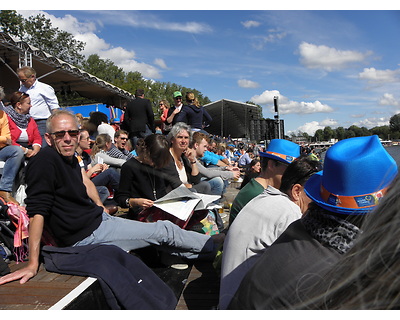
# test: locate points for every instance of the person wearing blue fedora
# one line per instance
(274, 161)
(356, 175)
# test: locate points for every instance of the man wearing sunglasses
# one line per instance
(175, 109)
(59, 194)
(43, 98)
(118, 150)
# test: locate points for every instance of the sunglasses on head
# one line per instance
(61, 134)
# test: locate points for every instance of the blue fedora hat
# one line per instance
(356, 174)
(282, 150)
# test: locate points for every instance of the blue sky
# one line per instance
(335, 68)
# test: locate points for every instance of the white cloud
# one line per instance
(323, 57)
(311, 127)
(287, 106)
(94, 44)
(243, 83)
(161, 63)
(85, 32)
(372, 122)
(152, 21)
(380, 76)
(250, 24)
(388, 99)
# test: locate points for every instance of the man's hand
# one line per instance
(24, 274)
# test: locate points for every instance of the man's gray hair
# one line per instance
(57, 113)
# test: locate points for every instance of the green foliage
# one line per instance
(39, 32)
(12, 23)
(394, 123)
(340, 133)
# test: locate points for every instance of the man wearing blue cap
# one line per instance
(280, 153)
(356, 175)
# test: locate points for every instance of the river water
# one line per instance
(394, 151)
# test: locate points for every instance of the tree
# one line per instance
(394, 123)
(39, 32)
(319, 135)
(328, 133)
(12, 23)
(383, 132)
(103, 69)
(340, 133)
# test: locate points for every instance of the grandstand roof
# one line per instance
(55, 72)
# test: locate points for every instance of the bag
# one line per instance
(20, 194)
(154, 214)
(20, 220)
(4, 269)
(208, 225)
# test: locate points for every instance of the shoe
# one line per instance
(8, 198)
(112, 209)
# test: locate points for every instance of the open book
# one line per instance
(181, 202)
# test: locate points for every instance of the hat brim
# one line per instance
(271, 156)
(313, 191)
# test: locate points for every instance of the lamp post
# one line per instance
(277, 121)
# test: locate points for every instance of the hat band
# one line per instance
(282, 156)
(353, 202)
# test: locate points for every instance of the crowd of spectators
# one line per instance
(293, 226)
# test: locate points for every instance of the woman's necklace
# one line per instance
(152, 182)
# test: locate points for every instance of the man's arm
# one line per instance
(35, 234)
(91, 190)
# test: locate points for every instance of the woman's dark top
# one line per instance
(194, 116)
(139, 180)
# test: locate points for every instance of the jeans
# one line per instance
(217, 185)
(109, 177)
(135, 136)
(103, 193)
(41, 123)
(131, 235)
(13, 157)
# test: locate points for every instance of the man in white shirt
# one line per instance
(43, 98)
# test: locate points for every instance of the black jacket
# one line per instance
(126, 281)
(56, 191)
(138, 114)
(287, 269)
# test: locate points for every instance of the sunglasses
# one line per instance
(22, 96)
(178, 98)
(123, 138)
(61, 134)
(24, 80)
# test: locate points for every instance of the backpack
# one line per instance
(6, 239)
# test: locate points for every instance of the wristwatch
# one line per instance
(127, 202)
